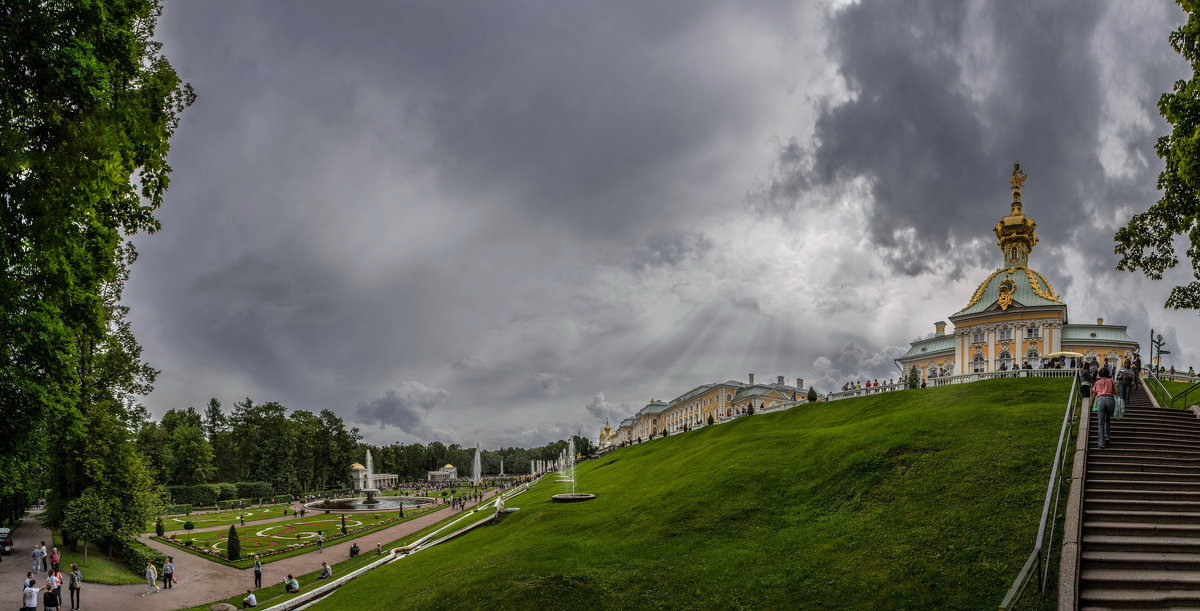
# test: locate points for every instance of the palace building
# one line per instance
(1014, 318)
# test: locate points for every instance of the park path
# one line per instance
(201, 580)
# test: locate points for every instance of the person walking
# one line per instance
(45, 560)
(37, 559)
(168, 571)
(55, 558)
(50, 600)
(75, 582)
(151, 578)
(55, 580)
(30, 594)
(1105, 392)
(1086, 379)
(320, 541)
(257, 571)
(1124, 378)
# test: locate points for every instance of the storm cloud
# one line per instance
(542, 215)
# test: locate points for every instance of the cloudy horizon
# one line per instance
(502, 223)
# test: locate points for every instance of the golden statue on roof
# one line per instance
(1018, 177)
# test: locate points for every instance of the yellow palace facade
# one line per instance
(1014, 319)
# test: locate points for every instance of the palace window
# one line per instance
(977, 337)
(978, 364)
(1032, 358)
(1005, 360)
(1006, 334)
(1032, 332)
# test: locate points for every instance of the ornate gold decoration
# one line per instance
(1034, 277)
(1037, 287)
(1006, 290)
(1018, 177)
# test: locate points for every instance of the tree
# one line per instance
(192, 456)
(87, 106)
(1146, 242)
(812, 394)
(214, 420)
(750, 409)
(159, 529)
(710, 419)
(233, 546)
(914, 377)
(89, 517)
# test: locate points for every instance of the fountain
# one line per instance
(477, 468)
(372, 502)
(568, 469)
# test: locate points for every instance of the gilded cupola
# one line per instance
(1016, 233)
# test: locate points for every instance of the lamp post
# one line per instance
(1156, 342)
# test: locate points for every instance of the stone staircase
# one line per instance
(1140, 547)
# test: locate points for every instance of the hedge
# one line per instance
(254, 490)
(199, 494)
(284, 498)
(172, 510)
(228, 491)
(136, 554)
(230, 504)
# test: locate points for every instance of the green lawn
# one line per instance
(274, 591)
(919, 499)
(294, 536)
(1176, 389)
(99, 568)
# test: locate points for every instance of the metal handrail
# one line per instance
(1151, 374)
(1183, 396)
(962, 378)
(1038, 565)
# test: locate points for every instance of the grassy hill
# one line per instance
(918, 499)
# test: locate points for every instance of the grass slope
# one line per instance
(918, 499)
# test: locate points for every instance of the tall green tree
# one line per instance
(87, 106)
(1146, 242)
(192, 456)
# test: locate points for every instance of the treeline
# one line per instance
(296, 453)
(413, 461)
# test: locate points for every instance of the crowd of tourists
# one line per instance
(1109, 390)
(51, 593)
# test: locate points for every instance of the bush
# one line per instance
(233, 503)
(188, 526)
(135, 555)
(233, 547)
(171, 510)
(199, 494)
(158, 528)
(254, 490)
(284, 498)
(228, 491)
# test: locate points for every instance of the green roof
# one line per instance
(1023, 292)
(1096, 333)
(930, 346)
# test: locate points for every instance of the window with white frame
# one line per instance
(1006, 334)
(1033, 358)
(978, 337)
(978, 364)
(1032, 332)
(1005, 360)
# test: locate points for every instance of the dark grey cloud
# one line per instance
(406, 407)
(943, 98)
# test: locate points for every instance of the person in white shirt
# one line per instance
(249, 601)
(31, 594)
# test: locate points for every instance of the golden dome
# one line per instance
(357, 467)
(448, 466)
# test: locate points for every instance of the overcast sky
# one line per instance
(500, 222)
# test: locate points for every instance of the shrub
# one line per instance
(284, 498)
(812, 394)
(188, 526)
(158, 528)
(233, 546)
(135, 555)
(199, 494)
(254, 490)
(228, 491)
(170, 510)
(233, 503)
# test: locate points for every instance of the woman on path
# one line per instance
(151, 578)
(168, 571)
(1106, 403)
(50, 599)
(1124, 378)
(55, 558)
(257, 572)
(1086, 379)
(75, 583)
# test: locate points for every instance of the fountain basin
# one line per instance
(571, 497)
(381, 503)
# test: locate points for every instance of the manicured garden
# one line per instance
(918, 499)
(99, 568)
(220, 518)
(278, 540)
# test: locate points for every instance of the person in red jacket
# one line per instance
(1105, 393)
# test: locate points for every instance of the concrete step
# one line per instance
(1147, 505)
(1143, 529)
(1183, 476)
(1121, 543)
(1106, 465)
(1143, 458)
(1142, 446)
(1140, 560)
(1131, 484)
(1141, 516)
(1115, 598)
(1093, 492)
(1142, 579)
(1149, 430)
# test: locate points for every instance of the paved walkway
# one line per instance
(201, 580)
